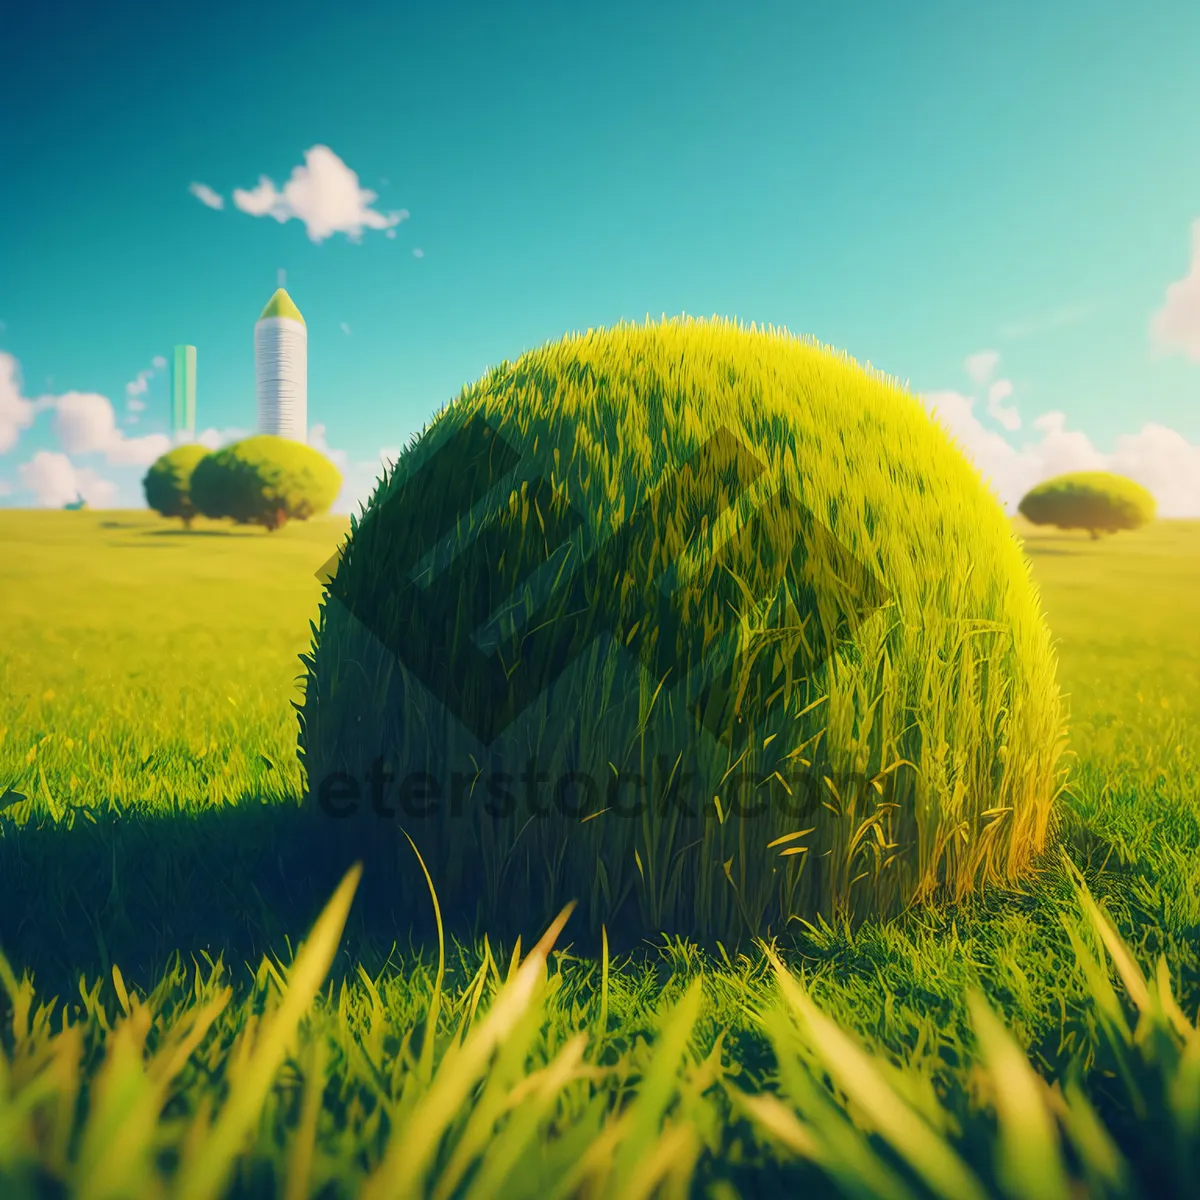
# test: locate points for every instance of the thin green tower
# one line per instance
(183, 391)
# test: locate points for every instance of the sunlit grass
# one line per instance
(890, 716)
(127, 1082)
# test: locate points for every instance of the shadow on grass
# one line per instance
(239, 881)
(190, 533)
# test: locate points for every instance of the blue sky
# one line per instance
(981, 200)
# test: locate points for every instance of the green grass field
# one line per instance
(158, 1036)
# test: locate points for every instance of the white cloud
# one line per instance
(345, 328)
(316, 439)
(55, 480)
(135, 389)
(17, 412)
(86, 424)
(390, 235)
(981, 365)
(1164, 463)
(1176, 326)
(324, 194)
(418, 253)
(213, 439)
(1160, 459)
(5, 488)
(137, 451)
(206, 195)
(1009, 417)
(84, 421)
(359, 477)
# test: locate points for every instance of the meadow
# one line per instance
(197, 999)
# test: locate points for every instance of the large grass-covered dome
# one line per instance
(877, 720)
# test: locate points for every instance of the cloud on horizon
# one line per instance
(55, 480)
(1175, 327)
(1158, 458)
(210, 439)
(17, 411)
(86, 424)
(358, 477)
(1009, 417)
(324, 194)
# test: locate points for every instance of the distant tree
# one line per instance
(168, 482)
(1093, 500)
(265, 480)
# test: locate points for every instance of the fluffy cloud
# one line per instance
(981, 365)
(206, 195)
(1176, 326)
(324, 194)
(1009, 417)
(54, 481)
(418, 253)
(84, 421)
(86, 424)
(346, 328)
(317, 440)
(1160, 459)
(17, 412)
(212, 439)
(359, 477)
(1165, 463)
(135, 389)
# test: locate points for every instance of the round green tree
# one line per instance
(265, 480)
(168, 482)
(1097, 501)
(704, 627)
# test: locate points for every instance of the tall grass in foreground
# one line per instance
(479, 1121)
(877, 1133)
(175, 1098)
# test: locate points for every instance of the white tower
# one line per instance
(281, 366)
